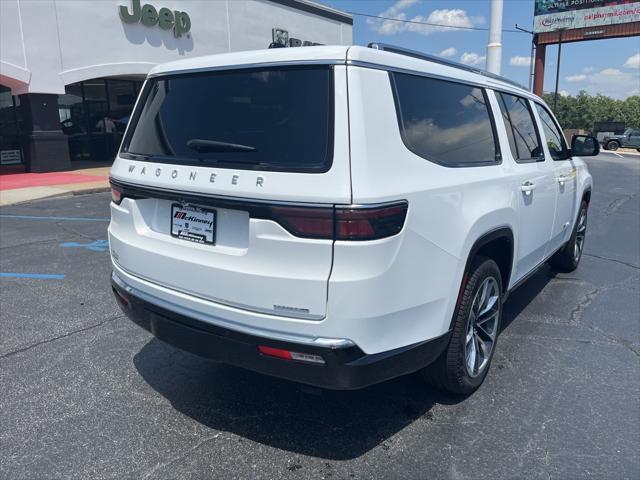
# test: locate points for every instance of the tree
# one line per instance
(583, 110)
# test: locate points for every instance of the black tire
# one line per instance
(568, 257)
(638, 149)
(612, 145)
(450, 372)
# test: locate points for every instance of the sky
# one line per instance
(610, 67)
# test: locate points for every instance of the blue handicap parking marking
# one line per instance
(97, 246)
(38, 276)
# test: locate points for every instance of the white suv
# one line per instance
(339, 216)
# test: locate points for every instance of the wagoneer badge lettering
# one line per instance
(233, 180)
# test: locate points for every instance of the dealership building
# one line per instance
(70, 70)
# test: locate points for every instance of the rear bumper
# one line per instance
(346, 367)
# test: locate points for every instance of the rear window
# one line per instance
(445, 122)
(262, 119)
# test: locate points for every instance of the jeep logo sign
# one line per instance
(149, 16)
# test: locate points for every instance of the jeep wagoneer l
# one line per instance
(339, 216)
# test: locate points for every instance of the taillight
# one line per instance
(342, 223)
(116, 195)
(370, 223)
(307, 222)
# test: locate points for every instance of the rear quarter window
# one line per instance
(445, 122)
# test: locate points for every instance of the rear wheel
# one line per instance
(463, 366)
(568, 257)
(612, 145)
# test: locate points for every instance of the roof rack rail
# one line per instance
(432, 58)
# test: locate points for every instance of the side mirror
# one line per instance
(584, 146)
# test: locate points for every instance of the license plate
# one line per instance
(193, 223)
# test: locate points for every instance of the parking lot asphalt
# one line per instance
(86, 394)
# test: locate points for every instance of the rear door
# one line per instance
(533, 182)
(564, 176)
(229, 180)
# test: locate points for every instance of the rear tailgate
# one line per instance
(267, 139)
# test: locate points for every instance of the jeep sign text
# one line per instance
(149, 16)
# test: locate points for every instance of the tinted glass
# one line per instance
(8, 124)
(555, 138)
(445, 122)
(518, 120)
(122, 97)
(268, 119)
(10, 138)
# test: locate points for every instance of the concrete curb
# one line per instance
(82, 191)
(91, 190)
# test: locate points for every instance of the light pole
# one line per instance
(494, 48)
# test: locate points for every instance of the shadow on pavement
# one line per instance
(334, 425)
(524, 295)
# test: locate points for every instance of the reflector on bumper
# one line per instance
(288, 355)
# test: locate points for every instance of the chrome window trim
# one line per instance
(223, 198)
(251, 200)
(488, 85)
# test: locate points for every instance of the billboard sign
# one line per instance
(552, 15)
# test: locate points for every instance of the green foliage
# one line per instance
(583, 110)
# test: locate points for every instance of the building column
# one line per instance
(45, 147)
(538, 70)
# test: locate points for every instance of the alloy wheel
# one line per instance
(482, 326)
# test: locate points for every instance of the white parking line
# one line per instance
(617, 154)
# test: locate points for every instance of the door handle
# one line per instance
(562, 179)
(528, 187)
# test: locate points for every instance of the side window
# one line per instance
(555, 138)
(524, 140)
(445, 122)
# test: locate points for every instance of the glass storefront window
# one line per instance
(122, 97)
(10, 149)
(100, 125)
(94, 115)
(73, 121)
(8, 126)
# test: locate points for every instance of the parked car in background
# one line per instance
(629, 139)
(340, 216)
(607, 127)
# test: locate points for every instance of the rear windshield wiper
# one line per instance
(204, 146)
(135, 156)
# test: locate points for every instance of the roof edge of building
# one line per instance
(317, 9)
